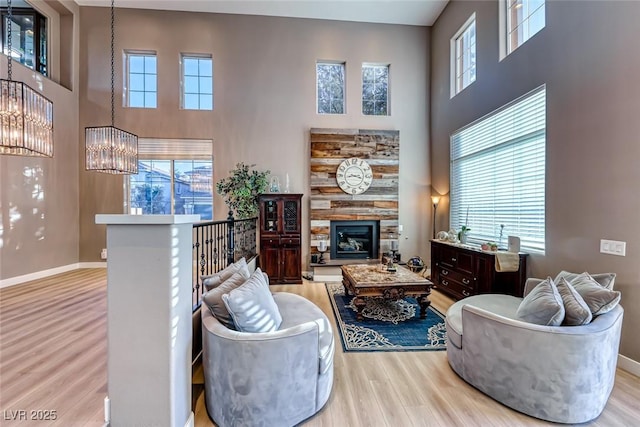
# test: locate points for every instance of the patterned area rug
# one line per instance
(388, 325)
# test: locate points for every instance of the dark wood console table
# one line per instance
(460, 271)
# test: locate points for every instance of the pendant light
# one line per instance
(107, 148)
(26, 117)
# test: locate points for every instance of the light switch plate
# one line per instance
(613, 247)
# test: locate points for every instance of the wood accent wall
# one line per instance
(381, 149)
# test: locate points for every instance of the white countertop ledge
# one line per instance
(124, 219)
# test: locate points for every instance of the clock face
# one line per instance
(354, 176)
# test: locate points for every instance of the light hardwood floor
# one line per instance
(53, 357)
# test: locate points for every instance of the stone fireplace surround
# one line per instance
(329, 147)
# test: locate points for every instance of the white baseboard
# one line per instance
(50, 272)
(629, 365)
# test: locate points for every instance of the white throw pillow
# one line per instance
(225, 274)
(252, 306)
(543, 305)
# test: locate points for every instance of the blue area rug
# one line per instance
(388, 325)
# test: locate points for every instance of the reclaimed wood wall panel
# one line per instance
(381, 149)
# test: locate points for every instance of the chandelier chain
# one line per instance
(9, 25)
(112, 64)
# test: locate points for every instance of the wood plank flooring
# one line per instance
(53, 357)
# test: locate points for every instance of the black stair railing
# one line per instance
(216, 244)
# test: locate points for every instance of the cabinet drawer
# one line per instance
(455, 287)
(270, 240)
(291, 241)
(462, 278)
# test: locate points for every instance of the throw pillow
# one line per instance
(543, 305)
(252, 306)
(576, 310)
(213, 298)
(605, 279)
(216, 279)
(599, 299)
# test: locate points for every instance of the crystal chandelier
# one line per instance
(26, 117)
(109, 149)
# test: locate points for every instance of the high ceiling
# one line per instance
(407, 12)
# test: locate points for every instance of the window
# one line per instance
(498, 174)
(141, 80)
(463, 56)
(331, 87)
(375, 90)
(520, 20)
(174, 177)
(28, 38)
(197, 82)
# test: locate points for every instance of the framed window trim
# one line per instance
(504, 22)
(344, 85)
(453, 49)
(388, 92)
(506, 149)
(173, 150)
(126, 89)
(183, 93)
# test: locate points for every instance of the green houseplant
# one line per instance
(241, 189)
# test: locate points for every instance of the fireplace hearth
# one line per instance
(355, 239)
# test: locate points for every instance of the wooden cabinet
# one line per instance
(462, 271)
(280, 232)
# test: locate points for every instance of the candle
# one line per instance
(107, 410)
(394, 245)
(400, 228)
(322, 245)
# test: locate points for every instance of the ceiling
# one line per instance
(407, 12)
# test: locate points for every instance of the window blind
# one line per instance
(498, 174)
(174, 149)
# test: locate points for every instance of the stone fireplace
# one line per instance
(354, 239)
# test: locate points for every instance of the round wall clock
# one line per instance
(354, 176)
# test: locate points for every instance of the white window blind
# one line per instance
(498, 174)
(174, 149)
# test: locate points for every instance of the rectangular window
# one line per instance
(463, 56)
(28, 37)
(141, 77)
(520, 19)
(375, 90)
(174, 177)
(197, 82)
(330, 84)
(498, 174)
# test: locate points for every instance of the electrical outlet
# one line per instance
(613, 247)
(103, 254)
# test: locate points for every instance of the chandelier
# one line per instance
(26, 117)
(107, 148)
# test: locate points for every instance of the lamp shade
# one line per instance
(26, 121)
(111, 150)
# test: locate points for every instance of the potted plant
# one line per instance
(241, 189)
(462, 234)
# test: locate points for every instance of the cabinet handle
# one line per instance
(465, 281)
(445, 272)
(453, 259)
(270, 241)
(465, 293)
(444, 282)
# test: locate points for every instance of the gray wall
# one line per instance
(588, 58)
(264, 100)
(39, 196)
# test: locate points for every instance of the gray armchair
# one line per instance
(562, 374)
(269, 379)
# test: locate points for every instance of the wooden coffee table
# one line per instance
(370, 280)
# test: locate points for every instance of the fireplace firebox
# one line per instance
(355, 239)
